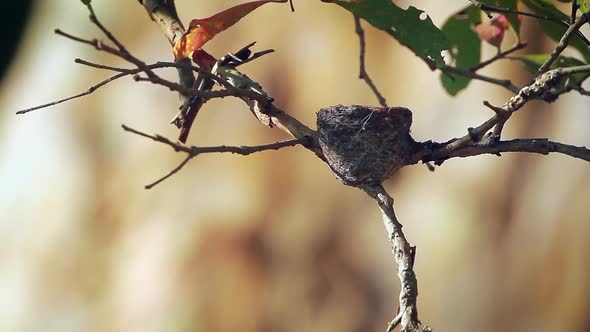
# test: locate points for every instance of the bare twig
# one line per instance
(75, 38)
(121, 50)
(194, 151)
(102, 28)
(468, 73)
(100, 66)
(362, 71)
(536, 89)
(501, 55)
(532, 145)
(122, 72)
(404, 256)
(171, 173)
(494, 9)
(99, 45)
(82, 94)
(563, 43)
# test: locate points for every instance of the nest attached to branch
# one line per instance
(364, 144)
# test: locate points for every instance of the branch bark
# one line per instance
(533, 145)
(164, 13)
(403, 254)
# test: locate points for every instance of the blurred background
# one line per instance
(272, 241)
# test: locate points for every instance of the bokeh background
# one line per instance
(272, 241)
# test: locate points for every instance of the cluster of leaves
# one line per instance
(461, 35)
(464, 32)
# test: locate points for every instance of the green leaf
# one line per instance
(584, 5)
(532, 62)
(553, 29)
(465, 48)
(419, 35)
(507, 4)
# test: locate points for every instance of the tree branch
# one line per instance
(81, 94)
(122, 72)
(537, 89)
(468, 73)
(404, 255)
(193, 151)
(563, 43)
(498, 56)
(532, 145)
(362, 71)
(163, 13)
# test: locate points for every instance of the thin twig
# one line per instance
(493, 9)
(82, 94)
(462, 72)
(498, 56)
(565, 71)
(536, 89)
(563, 43)
(468, 73)
(171, 173)
(498, 110)
(75, 38)
(122, 50)
(94, 19)
(531, 145)
(362, 70)
(100, 66)
(122, 72)
(194, 151)
(158, 65)
(541, 84)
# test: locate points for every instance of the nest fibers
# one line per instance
(363, 144)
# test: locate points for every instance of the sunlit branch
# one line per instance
(193, 151)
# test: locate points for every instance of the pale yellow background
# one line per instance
(273, 242)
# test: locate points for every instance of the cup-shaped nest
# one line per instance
(363, 144)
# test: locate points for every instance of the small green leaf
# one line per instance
(411, 27)
(553, 29)
(465, 48)
(584, 5)
(507, 4)
(86, 2)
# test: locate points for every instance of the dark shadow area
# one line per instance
(12, 28)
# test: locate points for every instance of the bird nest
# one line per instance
(363, 144)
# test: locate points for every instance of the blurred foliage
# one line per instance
(465, 48)
(507, 4)
(554, 30)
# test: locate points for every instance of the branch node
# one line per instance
(501, 112)
(473, 134)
